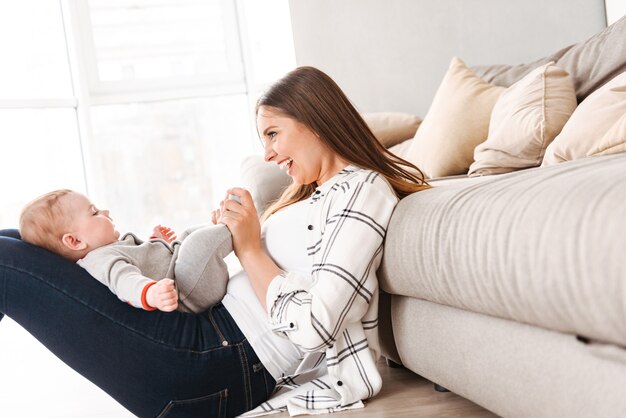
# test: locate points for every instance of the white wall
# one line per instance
(391, 55)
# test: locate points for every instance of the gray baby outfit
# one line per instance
(195, 262)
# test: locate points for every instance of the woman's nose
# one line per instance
(269, 154)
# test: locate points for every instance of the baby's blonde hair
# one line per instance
(44, 221)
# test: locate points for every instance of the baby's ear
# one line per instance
(72, 242)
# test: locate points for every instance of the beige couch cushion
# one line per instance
(391, 128)
(589, 123)
(524, 120)
(457, 121)
(542, 246)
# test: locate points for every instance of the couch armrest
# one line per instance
(265, 181)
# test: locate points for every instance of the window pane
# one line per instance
(34, 56)
(167, 162)
(40, 152)
(270, 37)
(147, 39)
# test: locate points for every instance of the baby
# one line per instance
(189, 275)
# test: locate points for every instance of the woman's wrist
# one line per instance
(261, 271)
(250, 255)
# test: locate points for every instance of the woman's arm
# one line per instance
(243, 221)
(312, 311)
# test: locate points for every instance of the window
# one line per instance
(45, 154)
(132, 45)
(168, 162)
(39, 134)
(146, 105)
(34, 53)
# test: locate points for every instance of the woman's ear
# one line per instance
(72, 242)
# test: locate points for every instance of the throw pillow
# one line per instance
(613, 142)
(591, 120)
(391, 128)
(402, 148)
(457, 121)
(590, 63)
(524, 120)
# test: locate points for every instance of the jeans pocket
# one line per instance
(213, 405)
(268, 380)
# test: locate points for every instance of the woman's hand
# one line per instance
(242, 220)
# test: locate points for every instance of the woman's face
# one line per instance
(295, 148)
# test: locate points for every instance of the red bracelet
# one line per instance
(144, 294)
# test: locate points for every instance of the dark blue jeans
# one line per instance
(155, 364)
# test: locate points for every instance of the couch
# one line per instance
(511, 291)
(508, 287)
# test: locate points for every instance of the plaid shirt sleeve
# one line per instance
(347, 247)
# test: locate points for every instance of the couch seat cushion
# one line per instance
(543, 246)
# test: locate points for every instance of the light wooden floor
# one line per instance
(405, 394)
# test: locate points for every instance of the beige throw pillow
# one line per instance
(402, 148)
(391, 128)
(585, 131)
(613, 142)
(457, 121)
(524, 120)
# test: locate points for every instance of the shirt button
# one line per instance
(310, 227)
(291, 325)
(317, 192)
(339, 383)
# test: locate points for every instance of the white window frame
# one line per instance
(158, 89)
(83, 69)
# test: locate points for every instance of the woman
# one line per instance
(312, 271)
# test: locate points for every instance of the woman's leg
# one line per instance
(153, 363)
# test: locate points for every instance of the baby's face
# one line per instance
(91, 225)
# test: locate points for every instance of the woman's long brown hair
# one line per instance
(312, 98)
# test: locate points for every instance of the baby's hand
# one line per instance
(163, 232)
(163, 295)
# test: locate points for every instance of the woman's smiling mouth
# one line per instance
(285, 164)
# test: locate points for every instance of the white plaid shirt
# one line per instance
(332, 315)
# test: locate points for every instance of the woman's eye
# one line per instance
(271, 135)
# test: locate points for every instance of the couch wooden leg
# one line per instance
(392, 364)
(440, 388)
